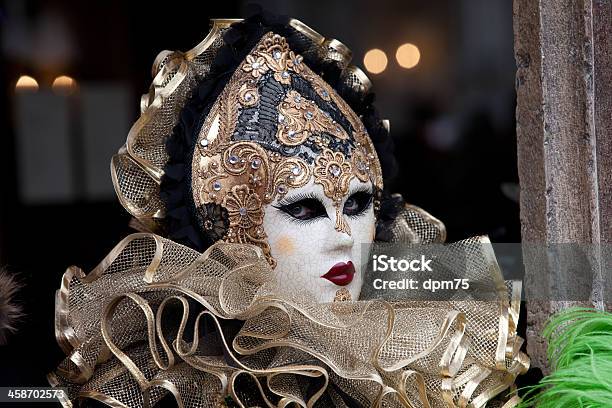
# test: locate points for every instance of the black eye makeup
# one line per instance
(358, 203)
(303, 208)
(308, 207)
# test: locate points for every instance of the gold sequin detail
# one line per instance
(343, 295)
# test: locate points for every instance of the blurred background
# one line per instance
(72, 73)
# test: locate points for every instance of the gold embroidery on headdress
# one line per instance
(300, 118)
(243, 176)
(248, 95)
(334, 174)
(255, 65)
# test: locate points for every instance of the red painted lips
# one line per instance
(341, 273)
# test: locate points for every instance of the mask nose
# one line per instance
(342, 225)
(341, 241)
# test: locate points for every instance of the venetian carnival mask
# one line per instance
(281, 161)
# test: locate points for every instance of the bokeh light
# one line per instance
(26, 83)
(375, 61)
(64, 84)
(407, 55)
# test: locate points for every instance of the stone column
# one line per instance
(564, 132)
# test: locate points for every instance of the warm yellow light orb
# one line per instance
(26, 83)
(375, 61)
(408, 55)
(63, 83)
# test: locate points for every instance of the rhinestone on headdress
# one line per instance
(335, 170)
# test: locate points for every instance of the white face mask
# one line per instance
(306, 245)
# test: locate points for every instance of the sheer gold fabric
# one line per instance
(154, 319)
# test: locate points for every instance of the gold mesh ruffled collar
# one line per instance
(128, 329)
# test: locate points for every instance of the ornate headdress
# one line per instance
(239, 120)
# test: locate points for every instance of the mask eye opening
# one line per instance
(358, 203)
(303, 208)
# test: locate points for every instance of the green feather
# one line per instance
(580, 356)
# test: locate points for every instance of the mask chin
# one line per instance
(312, 254)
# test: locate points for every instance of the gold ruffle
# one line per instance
(155, 319)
